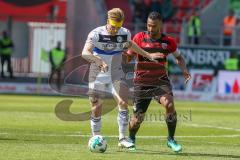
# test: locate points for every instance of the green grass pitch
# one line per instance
(29, 130)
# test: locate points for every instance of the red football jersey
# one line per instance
(146, 71)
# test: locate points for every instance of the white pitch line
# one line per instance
(206, 142)
(211, 126)
(200, 126)
(116, 136)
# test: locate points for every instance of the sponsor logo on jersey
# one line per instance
(109, 46)
(106, 38)
(164, 45)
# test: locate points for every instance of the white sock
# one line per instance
(122, 122)
(96, 125)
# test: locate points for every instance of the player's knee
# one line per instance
(123, 104)
(94, 101)
(138, 118)
(169, 105)
(96, 106)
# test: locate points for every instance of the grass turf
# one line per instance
(30, 130)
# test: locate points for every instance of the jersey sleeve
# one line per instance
(172, 46)
(176, 53)
(128, 35)
(136, 39)
(92, 37)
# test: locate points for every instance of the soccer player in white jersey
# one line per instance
(103, 49)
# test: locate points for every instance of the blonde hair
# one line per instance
(116, 14)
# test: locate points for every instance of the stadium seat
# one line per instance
(169, 28)
(196, 2)
(206, 2)
(177, 38)
(184, 4)
(180, 15)
(173, 28)
(175, 3)
(124, 4)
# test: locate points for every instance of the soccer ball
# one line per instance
(97, 144)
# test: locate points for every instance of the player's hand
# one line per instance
(103, 66)
(129, 58)
(187, 76)
(157, 55)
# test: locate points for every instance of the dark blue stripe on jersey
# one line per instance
(115, 39)
(99, 51)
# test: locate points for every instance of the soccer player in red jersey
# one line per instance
(151, 78)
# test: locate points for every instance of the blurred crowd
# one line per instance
(167, 9)
(141, 8)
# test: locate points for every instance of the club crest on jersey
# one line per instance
(119, 39)
(164, 45)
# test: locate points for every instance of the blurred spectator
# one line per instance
(6, 50)
(232, 63)
(229, 24)
(194, 28)
(235, 5)
(139, 14)
(57, 57)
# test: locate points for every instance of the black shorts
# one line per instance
(144, 94)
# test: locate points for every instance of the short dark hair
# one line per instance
(155, 16)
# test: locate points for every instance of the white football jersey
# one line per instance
(110, 49)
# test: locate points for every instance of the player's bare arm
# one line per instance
(134, 47)
(88, 55)
(181, 63)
